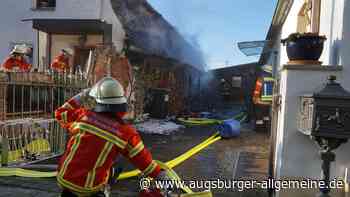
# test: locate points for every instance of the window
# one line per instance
(309, 16)
(268, 88)
(237, 81)
(44, 4)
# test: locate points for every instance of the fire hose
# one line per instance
(168, 166)
(206, 121)
(5, 172)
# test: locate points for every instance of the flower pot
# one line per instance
(304, 47)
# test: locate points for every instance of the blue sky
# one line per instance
(217, 26)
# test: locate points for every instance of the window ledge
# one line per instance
(313, 67)
(44, 9)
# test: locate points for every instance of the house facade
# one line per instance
(234, 84)
(293, 154)
(91, 26)
(49, 27)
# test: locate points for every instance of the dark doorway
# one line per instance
(157, 103)
(81, 56)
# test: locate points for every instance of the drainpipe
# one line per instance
(101, 9)
(274, 122)
(274, 64)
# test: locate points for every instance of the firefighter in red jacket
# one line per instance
(98, 135)
(61, 62)
(17, 61)
(257, 90)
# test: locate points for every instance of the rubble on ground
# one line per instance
(155, 126)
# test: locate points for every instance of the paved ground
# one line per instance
(216, 162)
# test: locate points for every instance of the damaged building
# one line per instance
(236, 85)
(166, 69)
(161, 71)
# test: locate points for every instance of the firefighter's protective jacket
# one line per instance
(94, 144)
(12, 64)
(257, 90)
(60, 63)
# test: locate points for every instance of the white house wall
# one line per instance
(70, 9)
(15, 30)
(118, 33)
(331, 25)
(290, 26)
(297, 155)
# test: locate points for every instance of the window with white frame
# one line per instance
(44, 4)
(237, 81)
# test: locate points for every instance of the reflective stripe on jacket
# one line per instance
(95, 143)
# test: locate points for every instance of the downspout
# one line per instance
(37, 48)
(281, 13)
(101, 9)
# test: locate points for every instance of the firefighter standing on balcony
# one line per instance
(61, 62)
(17, 61)
(98, 135)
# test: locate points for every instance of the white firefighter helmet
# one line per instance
(109, 96)
(20, 49)
(68, 51)
(108, 91)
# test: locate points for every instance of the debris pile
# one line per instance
(162, 127)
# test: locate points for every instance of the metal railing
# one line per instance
(35, 95)
(28, 131)
(29, 140)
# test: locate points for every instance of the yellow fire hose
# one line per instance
(207, 121)
(25, 173)
(172, 174)
(178, 160)
(199, 121)
(4, 172)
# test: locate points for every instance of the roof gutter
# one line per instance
(281, 13)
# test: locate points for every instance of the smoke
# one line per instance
(187, 24)
(194, 40)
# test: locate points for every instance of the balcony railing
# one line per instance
(35, 95)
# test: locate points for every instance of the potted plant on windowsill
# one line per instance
(304, 47)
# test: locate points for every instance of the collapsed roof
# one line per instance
(149, 31)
